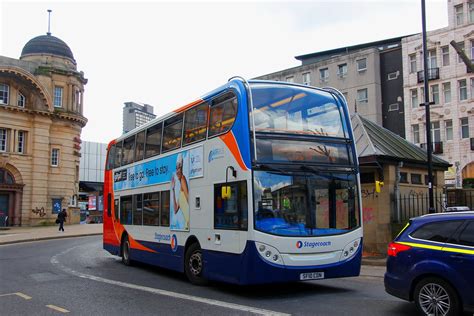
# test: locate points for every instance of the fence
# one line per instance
(416, 204)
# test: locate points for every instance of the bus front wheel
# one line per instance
(194, 265)
(126, 251)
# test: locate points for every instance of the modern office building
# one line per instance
(369, 75)
(41, 119)
(135, 114)
(451, 91)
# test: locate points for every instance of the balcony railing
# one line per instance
(433, 74)
(437, 147)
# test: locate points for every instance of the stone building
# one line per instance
(41, 118)
(451, 90)
(369, 75)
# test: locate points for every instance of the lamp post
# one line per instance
(426, 104)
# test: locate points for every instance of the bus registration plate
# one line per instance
(311, 276)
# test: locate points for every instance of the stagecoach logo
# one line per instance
(120, 175)
(216, 154)
(174, 243)
(312, 244)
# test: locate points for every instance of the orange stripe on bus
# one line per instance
(231, 143)
(184, 108)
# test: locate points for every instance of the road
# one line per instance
(76, 275)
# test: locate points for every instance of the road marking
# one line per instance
(26, 297)
(242, 308)
(57, 308)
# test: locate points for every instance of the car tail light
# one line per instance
(395, 248)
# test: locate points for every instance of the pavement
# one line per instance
(372, 266)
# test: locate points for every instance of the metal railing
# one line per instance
(433, 74)
(437, 147)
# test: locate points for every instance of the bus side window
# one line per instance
(231, 213)
(128, 150)
(116, 209)
(140, 146)
(172, 133)
(165, 208)
(195, 123)
(111, 158)
(118, 155)
(153, 141)
(223, 113)
(126, 210)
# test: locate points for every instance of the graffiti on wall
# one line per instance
(367, 193)
(39, 211)
(368, 215)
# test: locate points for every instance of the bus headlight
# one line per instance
(269, 253)
(350, 249)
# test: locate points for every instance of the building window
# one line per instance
(4, 93)
(432, 60)
(461, 46)
(472, 88)
(3, 140)
(435, 93)
(414, 98)
(307, 78)
(472, 50)
(413, 63)
(459, 14)
(435, 132)
(464, 127)
(471, 12)
(362, 64)
(448, 127)
(445, 55)
(462, 90)
(416, 178)
(362, 96)
(58, 97)
(21, 142)
(55, 157)
(342, 70)
(416, 133)
(21, 100)
(447, 92)
(324, 74)
(403, 177)
(290, 79)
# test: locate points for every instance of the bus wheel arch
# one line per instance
(193, 262)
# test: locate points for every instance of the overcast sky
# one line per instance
(168, 54)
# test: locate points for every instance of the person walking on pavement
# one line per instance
(62, 218)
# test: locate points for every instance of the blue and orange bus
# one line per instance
(255, 182)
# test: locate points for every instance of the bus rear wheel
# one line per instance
(194, 265)
(126, 251)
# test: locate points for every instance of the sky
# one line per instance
(168, 54)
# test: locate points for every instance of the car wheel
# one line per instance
(194, 265)
(126, 252)
(434, 296)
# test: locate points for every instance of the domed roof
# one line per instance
(47, 44)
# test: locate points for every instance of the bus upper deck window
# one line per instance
(172, 133)
(195, 123)
(223, 113)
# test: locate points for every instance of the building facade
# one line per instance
(451, 90)
(41, 118)
(135, 115)
(369, 75)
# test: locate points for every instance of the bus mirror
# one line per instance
(226, 193)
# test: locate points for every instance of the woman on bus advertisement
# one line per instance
(179, 208)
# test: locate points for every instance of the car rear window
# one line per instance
(437, 231)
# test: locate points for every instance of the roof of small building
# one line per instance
(374, 140)
(47, 44)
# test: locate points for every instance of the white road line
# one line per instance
(26, 297)
(203, 300)
(57, 308)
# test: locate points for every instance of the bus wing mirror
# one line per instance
(226, 192)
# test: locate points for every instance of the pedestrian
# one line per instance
(62, 218)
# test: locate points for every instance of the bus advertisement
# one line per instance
(255, 182)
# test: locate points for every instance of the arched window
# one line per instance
(4, 90)
(6, 177)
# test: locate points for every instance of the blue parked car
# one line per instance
(431, 262)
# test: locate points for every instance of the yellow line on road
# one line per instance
(26, 297)
(57, 308)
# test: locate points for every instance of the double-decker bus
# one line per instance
(255, 182)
